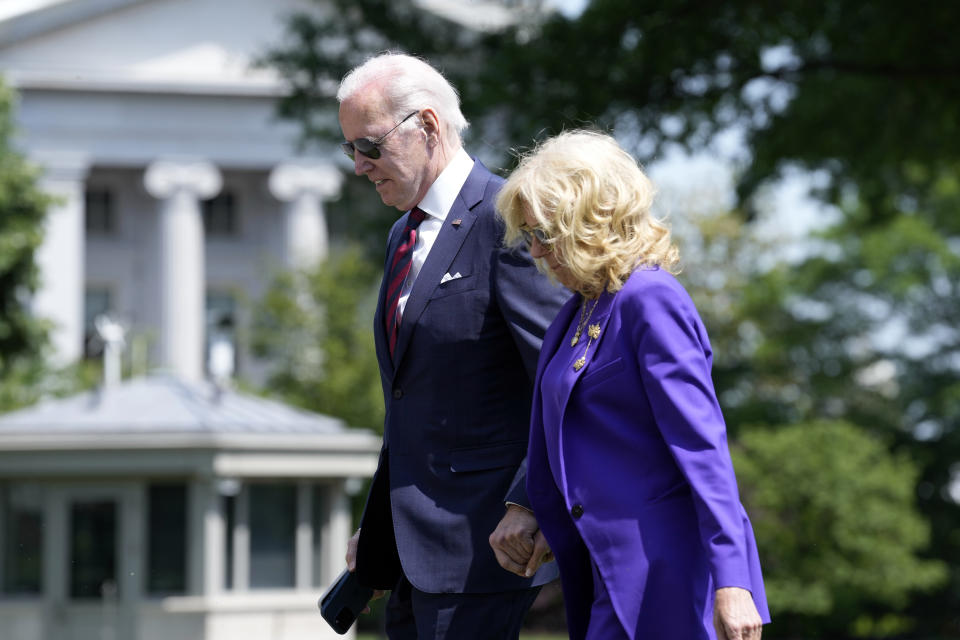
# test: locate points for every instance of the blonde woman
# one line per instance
(629, 475)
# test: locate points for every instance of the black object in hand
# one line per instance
(344, 601)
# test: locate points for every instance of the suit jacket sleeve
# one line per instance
(529, 302)
(674, 361)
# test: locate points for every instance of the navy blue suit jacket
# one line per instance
(457, 395)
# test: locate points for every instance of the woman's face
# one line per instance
(549, 255)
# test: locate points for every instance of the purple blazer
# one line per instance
(628, 465)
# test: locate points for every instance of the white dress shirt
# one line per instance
(436, 204)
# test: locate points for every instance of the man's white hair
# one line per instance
(408, 84)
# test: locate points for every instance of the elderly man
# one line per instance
(458, 329)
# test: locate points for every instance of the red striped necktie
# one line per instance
(399, 269)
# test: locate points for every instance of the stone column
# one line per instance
(207, 537)
(303, 187)
(303, 556)
(60, 258)
(180, 186)
(338, 526)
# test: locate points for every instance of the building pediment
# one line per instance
(193, 45)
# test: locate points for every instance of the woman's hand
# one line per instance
(518, 542)
(735, 616)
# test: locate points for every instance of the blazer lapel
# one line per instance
(379, 327)
(444, 250)
(570, 376)
(598, 320)
(554, 336)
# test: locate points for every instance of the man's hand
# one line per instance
(518, 542)
(352, 565)
(735, 615)
(352, 552)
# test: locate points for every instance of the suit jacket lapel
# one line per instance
(444, 250)
(379, 328)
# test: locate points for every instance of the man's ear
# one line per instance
(431, 125)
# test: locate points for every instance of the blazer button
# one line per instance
(398, 393)
(576, 511)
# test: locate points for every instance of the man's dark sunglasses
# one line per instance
(370, 148)
(536, 232)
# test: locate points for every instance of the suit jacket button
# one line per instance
(398, 393)
(576, 511)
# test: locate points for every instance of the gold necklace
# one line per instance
(593, 332)
(583, 320)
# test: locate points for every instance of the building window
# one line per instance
(96, 301)
(230, 521)
(262, 521)
(220, 215)
(21, 533)
(93, 549)
(167, 539)
(99, 215)
(273, 522)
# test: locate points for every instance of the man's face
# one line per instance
(400, 173)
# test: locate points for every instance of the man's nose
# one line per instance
(361, 164)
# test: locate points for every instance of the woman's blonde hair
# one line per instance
(593, 201)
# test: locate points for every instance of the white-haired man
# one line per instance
(458, 329)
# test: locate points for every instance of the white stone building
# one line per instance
(159, 509)
(165, 507)
(179, 189)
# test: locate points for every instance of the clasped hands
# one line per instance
(518, 542)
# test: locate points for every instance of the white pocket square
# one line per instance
(447, 277)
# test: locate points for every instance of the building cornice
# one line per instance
(50, 15)
(260, 87)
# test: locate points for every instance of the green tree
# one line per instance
(315, 328)
(837, 527)
(23, 337)
(863, 91)
(867, 95)
(866, 330)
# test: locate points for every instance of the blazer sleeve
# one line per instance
(674, 361)
(529, 302)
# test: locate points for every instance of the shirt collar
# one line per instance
(445, 189)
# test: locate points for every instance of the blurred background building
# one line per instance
(178, 188)
(166, 510)
(167, 506)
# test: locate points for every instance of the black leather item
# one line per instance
(344, 601)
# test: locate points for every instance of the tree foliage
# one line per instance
(837, 527)
(23, 338)
(864, 91)
(314, 327)
(863, 328)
